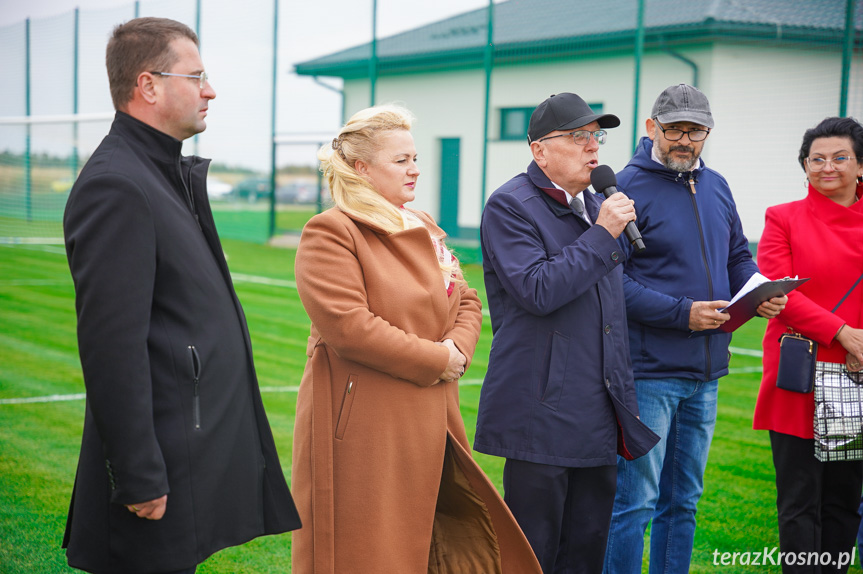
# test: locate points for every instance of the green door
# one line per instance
(449, 170)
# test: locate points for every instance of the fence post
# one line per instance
(639, 53)
(373, 61)
(272, 226)
(195, 138)
(847, 52)
(489, 64)
(28, 164)
(77, 39)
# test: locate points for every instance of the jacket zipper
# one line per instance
(691, 183)
(187, 187)
(196, 373)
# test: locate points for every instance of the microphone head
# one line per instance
(602, 177)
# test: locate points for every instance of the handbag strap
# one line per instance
(795, 333)
(848, 293)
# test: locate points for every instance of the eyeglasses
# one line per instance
(581, 137)
(202, 77)
(674, 134)
(839, 163)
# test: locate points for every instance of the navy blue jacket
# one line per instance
(695, 251)
(559, 378)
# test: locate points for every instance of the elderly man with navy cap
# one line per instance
(558, 401)
(697, 258)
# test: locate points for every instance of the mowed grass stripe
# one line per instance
(39, 442)
(83, 396)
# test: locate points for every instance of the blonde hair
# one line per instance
(360, 140)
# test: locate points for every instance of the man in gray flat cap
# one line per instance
(696, 258)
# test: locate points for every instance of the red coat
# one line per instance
(817, 238)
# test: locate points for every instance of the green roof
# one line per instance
(526, 30)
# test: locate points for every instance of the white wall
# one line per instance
(762, 99)
(607, 81)
(447, 105)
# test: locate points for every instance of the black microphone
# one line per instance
(603, 180)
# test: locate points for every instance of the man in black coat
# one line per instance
(177, 458)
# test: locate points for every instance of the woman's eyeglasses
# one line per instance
(839, 163)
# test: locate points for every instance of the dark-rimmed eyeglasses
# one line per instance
(675, 134)
(839, 163)
(581, 137)
(202, 77)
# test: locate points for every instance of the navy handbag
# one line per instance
(796, 363)
(797, 358)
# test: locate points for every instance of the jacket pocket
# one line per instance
(347, 404)
(196, 376)
(556, 369)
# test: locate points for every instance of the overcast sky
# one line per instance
(236, 42)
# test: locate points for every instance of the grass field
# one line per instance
(40, 213)
(39, 441)
(235, 220)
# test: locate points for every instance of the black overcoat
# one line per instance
(173, 404)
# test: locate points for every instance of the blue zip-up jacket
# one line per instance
(695, 251)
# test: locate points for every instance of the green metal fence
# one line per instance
(471, 71)
(55, 108)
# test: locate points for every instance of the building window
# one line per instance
(514, 121)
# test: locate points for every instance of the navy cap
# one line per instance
(565, 111)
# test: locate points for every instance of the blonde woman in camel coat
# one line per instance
(382, 471)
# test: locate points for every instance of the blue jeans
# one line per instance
(860, 532)
(665, 484)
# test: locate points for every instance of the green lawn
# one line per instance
(235, 220)
(39, 441)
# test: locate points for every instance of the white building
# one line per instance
(771, 68)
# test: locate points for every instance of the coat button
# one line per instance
(607, 382)
(607, 329)
(615, 255)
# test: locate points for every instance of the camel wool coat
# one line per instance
(382, 472)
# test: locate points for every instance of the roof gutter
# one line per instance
(685, 60)
(619, 42)
(341, 93)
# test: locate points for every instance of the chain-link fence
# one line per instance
(55, 108)
(471, 73)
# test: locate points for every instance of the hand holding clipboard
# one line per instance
(758, 289)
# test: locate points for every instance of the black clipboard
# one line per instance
(747, 306)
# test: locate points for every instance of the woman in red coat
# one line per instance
(820, 237)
